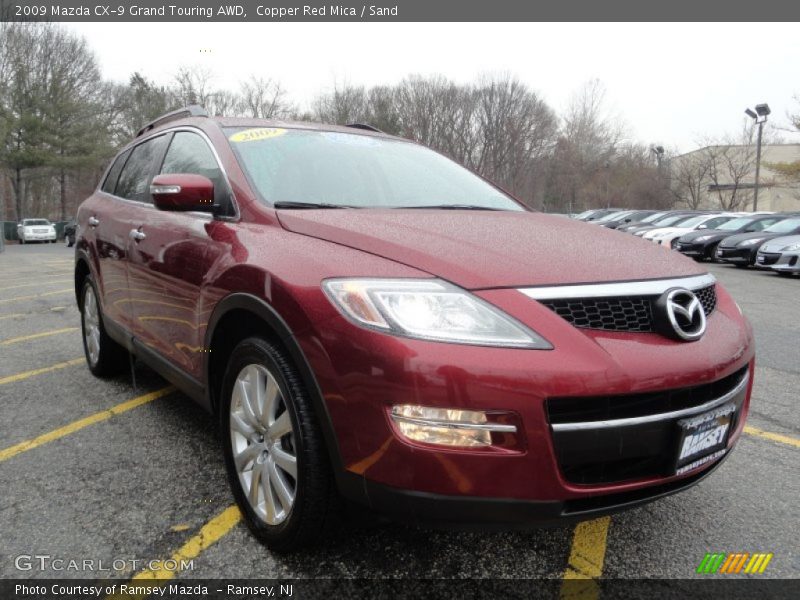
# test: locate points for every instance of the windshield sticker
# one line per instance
(350, 139)
(255, 135)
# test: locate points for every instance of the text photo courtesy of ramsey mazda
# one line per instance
(361, 327)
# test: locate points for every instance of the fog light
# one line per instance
(447, 426)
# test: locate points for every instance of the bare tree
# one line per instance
(262, 98)
(690, 179)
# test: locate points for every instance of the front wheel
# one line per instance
(274, 453)
(104, 356)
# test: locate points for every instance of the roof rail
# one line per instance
(364, 126)
(193, 110)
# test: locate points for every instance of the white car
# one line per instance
(36, 230)
(665, 236)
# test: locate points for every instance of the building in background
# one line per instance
(723, 177)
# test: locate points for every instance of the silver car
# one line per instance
(782, 255)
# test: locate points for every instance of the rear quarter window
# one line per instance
(113, 173)
(134, 180)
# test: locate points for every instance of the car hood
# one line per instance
(753, 235)
(778, 244)
(489, 249)
(715, 233)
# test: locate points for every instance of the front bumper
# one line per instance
(362, 374)
(736, 256)
(692, 249)
(39, 237)
(786, 262)
(509, 514)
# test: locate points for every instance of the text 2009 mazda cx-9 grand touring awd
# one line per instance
(367, 318)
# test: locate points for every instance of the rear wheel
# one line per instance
(104, 356)
(274, 452)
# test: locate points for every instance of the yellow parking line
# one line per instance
(774, 437)
(12, 316)
(208, 535)
(18, 298)
(81, 423)
(22, 285)
(27, 374)
(25, 338)
(586, 560)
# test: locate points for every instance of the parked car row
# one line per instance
(763, 240)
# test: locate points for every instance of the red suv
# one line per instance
(366, 318)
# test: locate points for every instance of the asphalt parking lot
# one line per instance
(99, 470)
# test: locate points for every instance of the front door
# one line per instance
(169, 258)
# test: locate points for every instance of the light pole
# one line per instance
(760, 117)
(659, 152)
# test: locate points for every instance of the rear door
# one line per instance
(170, 256)
(125, 192)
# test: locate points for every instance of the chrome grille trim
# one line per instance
(648, 287)
(711, 404)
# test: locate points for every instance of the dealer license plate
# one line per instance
(703, 437)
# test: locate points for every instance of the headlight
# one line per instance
(791, 248)
(703, 238)
(428, 309)
(750, 242)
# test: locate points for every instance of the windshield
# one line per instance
(654, 217)
(586, 213)
(787, 226)
(614, 216)
(735, 224)
(27, 222)
(693, 222)
(359, 171)
(667, 221)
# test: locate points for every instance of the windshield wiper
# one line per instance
(452, 207)
(291, 204)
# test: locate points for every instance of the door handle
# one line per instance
(93, 222)
(137, 235)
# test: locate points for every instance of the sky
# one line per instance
(673, 84)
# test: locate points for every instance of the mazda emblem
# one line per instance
(680, 315)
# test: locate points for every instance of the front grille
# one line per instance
(606, 408)
(595, 455)
(768, 258)
(630, 313)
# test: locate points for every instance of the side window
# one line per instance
(189, 153)
(134, 180)
(113, 173)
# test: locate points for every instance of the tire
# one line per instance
(104, 356)
(21, 241)
(288, 511)
(711, 252)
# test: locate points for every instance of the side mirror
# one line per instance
(183, 192)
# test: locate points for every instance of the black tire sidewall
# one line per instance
(288, 534)
(111, 357)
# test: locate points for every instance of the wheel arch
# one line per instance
(241, 315)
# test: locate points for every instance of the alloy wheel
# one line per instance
(91, 325)
(263, 444)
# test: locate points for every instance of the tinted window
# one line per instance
(716, 222)
(113, 174)
(189, 153)
(761, 225)
(134, 181)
